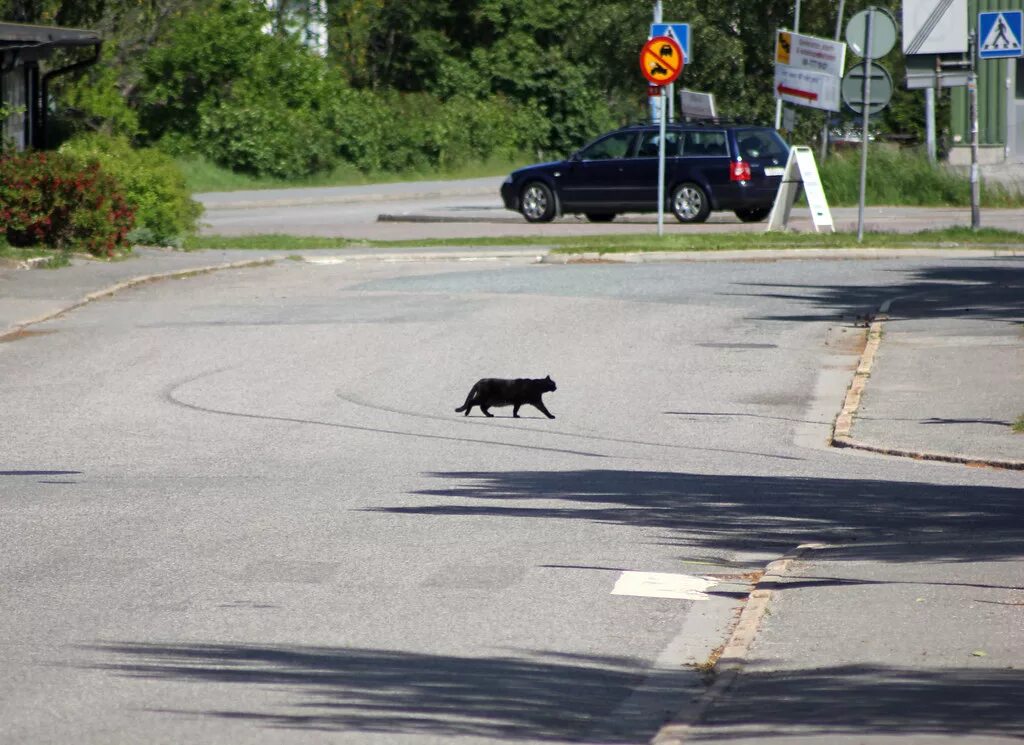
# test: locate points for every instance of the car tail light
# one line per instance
(739, 171)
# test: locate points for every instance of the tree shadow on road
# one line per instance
(865, 700)
(542, 696)
(876, 519)
(955, 289)
(558, 697)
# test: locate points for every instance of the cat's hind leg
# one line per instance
(515, 410)
(485, 411)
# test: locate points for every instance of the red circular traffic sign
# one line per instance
(661, 60)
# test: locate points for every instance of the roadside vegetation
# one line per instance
(203, 175)
(209, 95)
(906, 178)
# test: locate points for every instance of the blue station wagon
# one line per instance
(708, 167)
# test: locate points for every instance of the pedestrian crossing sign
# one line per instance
(999, 34)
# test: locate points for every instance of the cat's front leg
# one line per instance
(544, 410)
(515, 411)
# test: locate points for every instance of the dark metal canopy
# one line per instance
(25, 35)
(22, 48)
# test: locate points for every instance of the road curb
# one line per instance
(776, 254)
(842, 430)
(16, 328)
(734, 654)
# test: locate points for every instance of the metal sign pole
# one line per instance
(661, 164)
(972, 93)
(866, 113)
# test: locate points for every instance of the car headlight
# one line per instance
(508, 179)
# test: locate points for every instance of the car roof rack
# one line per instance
(700, 121)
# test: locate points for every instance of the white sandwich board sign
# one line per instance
(801, 170)
(934, 26)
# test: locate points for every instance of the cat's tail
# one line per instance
(469, 401)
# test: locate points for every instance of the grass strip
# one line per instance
(739, 241)
(938, 238)
(270, 242)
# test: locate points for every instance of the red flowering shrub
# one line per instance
(62, 202)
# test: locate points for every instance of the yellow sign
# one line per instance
(785, 42)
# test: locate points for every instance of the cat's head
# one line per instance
(549, 384)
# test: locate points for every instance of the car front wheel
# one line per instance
(753, 214)
(537, 203)
(690, 203)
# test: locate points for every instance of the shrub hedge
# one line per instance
(151, 182)
(61, 202)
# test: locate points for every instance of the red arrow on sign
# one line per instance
(785, 90)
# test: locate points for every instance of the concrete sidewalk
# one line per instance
(912, 632)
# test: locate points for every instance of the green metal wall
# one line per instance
(993, 91)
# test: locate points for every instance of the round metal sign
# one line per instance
(661, 60)
(883, 33)
(853, 88)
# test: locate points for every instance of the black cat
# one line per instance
(515, 393)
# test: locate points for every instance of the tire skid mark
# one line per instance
(466, 421)
(171, 395)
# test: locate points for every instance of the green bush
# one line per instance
(418, 132)
(246, 100)
(253, 133)
(152, 183)
(62, 202)
(904, 177)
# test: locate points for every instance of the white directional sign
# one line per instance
(1000, 34)
(934, 26)
(808, 70)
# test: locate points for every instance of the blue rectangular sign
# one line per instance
(678, 31)
(999, 34)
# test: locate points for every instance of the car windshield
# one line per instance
(760, 143)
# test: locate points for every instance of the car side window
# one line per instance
(754, 143)
(650, 141)
(705, 143)
(613, 146)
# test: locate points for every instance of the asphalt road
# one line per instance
(472, 208)
(240, 507)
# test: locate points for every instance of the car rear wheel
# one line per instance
(537, 203)
(690, 203)
(600, 216)
(753, 214)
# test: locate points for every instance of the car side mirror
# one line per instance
(575, 156)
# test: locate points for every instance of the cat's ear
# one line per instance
(548, 378)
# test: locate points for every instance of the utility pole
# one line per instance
(796, 30)
(972, 95)
(828, 114)
(656, 102)
(866, 114)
